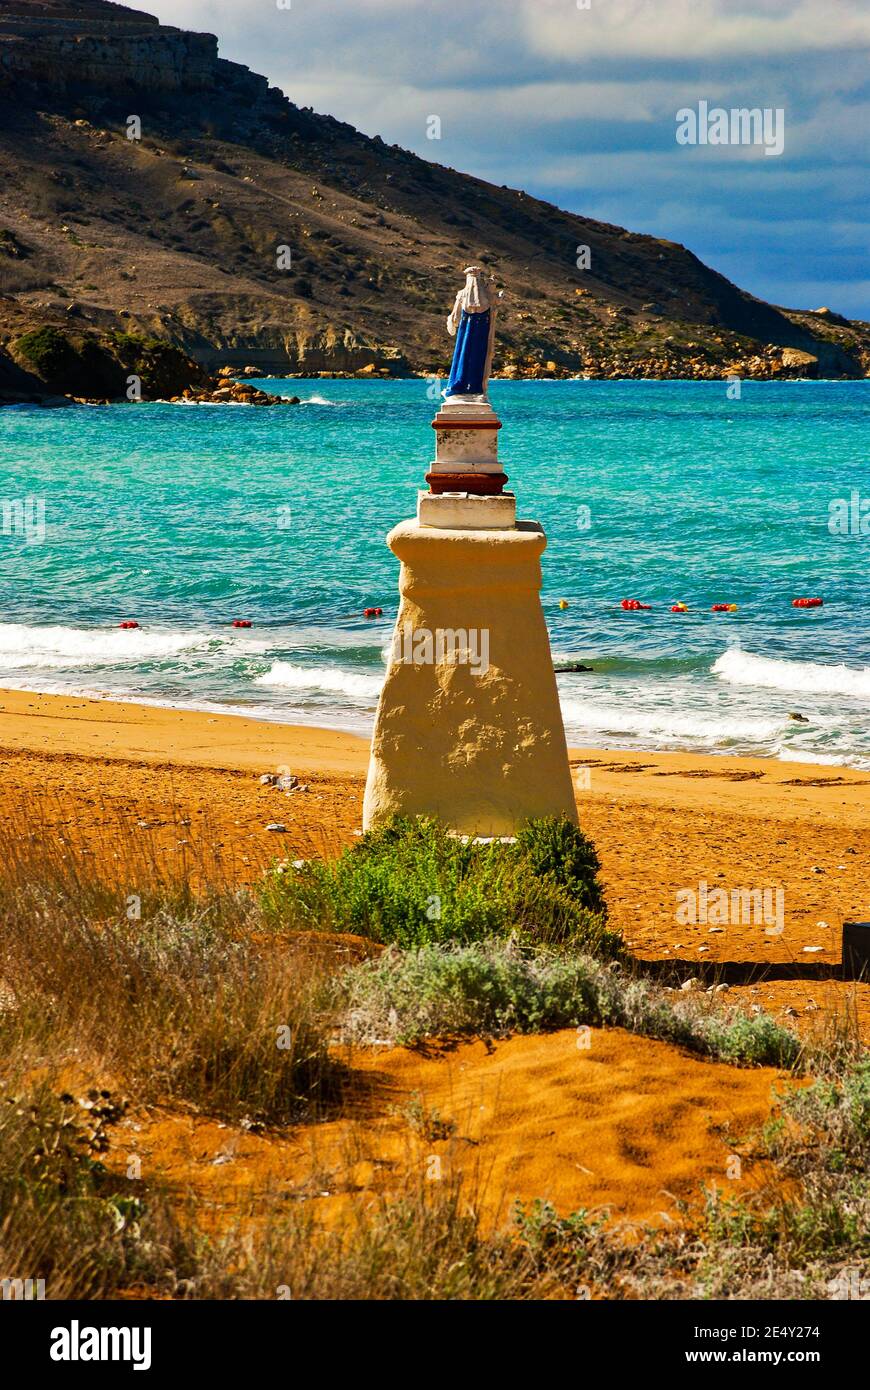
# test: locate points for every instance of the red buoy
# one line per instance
(807, 602)
(128, 624)
(373, 612)
(241, 622)
(634, 605)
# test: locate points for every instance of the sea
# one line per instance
(186, 518)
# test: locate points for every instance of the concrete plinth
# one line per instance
(466, 512)
(468, 727)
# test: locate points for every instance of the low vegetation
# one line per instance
(194, 995)
(495, 989)
(64, 1218)
(178, 1006)
(414, 884)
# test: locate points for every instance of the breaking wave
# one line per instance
(807, 677)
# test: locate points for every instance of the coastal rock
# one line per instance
(803, 362)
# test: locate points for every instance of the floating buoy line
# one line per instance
(633, 605)
(130, 623)
(628, 605)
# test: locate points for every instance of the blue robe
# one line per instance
(469, 355)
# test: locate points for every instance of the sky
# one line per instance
(576, 101)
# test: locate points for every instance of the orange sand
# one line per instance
(85, 771)
(630, 1124)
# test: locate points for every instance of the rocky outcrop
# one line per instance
(801, 363)
(114, 50)
(107, 47)
(51, 360)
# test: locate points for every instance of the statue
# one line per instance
(478, 744)
(472, 323)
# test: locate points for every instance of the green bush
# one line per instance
(47, 350)
(412, 883)
(495, 988)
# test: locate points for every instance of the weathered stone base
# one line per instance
(467, 511)
(477, 743)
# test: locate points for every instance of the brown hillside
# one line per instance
(175, 236)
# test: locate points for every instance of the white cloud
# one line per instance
(686, 29)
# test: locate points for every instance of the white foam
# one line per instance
(707, 726)
(54, 648)
(356, 685)
(807, 677)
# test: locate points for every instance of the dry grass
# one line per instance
(167, 990)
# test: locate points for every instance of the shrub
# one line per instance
(65, 1219)
(46, 349)
(413, 883)
(498, 988)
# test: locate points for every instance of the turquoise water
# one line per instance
(184, 518)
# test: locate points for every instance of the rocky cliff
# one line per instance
(242, 229)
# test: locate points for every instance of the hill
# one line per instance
(176, 237)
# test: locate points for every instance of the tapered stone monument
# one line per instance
(468, 726)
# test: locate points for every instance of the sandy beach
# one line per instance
(84, 774)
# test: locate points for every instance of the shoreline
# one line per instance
(127, 730)
(57, 399)
(10, 696)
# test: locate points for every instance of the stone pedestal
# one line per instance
(468, 727)
(466, 448)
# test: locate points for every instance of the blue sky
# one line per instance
(578, 105)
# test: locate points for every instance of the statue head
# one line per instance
(476, 292)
